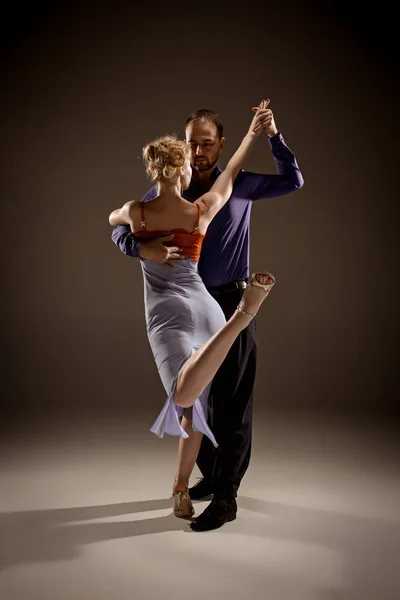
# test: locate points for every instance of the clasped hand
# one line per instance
(263, 119)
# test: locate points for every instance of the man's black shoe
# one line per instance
(201, 489)
(215, 515)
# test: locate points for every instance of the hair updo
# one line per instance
(164, 156)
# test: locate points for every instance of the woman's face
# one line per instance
(186, 175)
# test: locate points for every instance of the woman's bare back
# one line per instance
(166, 214)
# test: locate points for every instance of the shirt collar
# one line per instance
(196, 189)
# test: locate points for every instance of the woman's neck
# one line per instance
(170, 190)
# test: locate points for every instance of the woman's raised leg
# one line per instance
(201, 367)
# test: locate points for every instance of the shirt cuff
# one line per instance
(276, 139)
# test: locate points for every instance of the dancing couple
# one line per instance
(191, 232)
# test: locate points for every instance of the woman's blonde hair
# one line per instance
(163, 156)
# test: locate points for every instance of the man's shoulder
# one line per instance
(244, 177)
(150, 194)
(245, 174)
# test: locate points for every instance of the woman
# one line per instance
(186, 327)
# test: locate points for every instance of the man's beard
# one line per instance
(205, 164)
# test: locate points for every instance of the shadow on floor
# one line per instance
(368, 548)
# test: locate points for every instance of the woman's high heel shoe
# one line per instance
(183, 507)
(266, 287)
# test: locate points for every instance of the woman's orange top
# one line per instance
(190, 243)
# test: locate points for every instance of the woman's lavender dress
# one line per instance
(180, 317)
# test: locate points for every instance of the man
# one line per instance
(224, 268)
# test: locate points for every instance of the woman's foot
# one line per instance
(255, 293)
(183, 507)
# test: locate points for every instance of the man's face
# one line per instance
(202, 136)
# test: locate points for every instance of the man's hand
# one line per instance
(256, 126)
(267, 121)
(156, 251)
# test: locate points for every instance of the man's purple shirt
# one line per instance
(226, 247)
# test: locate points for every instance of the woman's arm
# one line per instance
(219, 194)
(122, 216)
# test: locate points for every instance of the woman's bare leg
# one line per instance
(201, 367)
(194, 376)
(187, 454)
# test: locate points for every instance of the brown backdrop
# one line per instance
(85, 88)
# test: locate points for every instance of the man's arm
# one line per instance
(289, 178)
(125, 240)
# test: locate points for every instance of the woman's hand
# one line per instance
(266, 118)
(260, 118)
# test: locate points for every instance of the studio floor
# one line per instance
(86, 513)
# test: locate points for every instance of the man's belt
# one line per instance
(229, 287)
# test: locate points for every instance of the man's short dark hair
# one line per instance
(205, 114)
